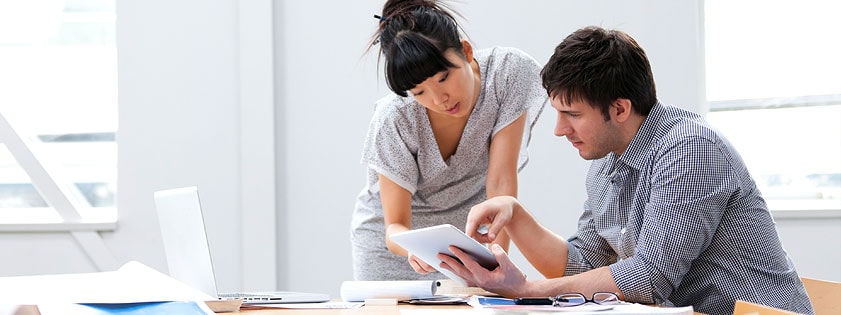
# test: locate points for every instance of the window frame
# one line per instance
(67, 209)
(775, 102)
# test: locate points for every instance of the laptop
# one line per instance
(188, 254)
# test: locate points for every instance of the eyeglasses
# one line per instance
(573, 299)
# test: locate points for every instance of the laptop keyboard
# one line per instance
(250, 297)
(240, 295)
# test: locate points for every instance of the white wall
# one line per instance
(329, 90)
(188, 107)
(197, 108)
(179, 109)
(328, 93)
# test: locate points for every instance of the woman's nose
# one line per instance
(439, 97)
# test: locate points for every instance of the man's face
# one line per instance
(585, 127)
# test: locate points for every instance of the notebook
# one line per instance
(188, 254)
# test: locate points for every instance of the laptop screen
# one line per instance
(184, 237)
(188, 254)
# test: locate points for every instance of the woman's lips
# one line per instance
(454, 109)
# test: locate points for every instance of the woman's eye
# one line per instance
(444, 77)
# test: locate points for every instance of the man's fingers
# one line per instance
(455, 265)
(471, 229)
(466, 260)
(494, 230)
(501, 256)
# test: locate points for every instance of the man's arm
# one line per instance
(596, 280)
(544, 249)
(506, 214)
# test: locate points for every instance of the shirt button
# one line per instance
(622, 231)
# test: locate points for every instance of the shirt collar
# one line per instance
(634, 155)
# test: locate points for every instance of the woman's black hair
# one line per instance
(413, 36)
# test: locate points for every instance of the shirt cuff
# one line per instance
(634, 280)
(394, 177)
(575, 262)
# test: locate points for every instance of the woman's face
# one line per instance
(452, 92)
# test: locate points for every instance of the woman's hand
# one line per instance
(419, 265)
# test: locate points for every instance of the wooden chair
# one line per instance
(825, 295)
(748, 308)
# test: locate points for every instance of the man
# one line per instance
(672, 215)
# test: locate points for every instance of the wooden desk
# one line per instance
(364, 310)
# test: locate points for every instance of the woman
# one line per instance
(455, 133)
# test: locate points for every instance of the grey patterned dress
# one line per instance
(401, 146)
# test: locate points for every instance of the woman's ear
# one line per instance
(468, 50)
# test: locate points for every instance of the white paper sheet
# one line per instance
(8, 309)
(323, 305)
(183, 308)
(446, 311)
(132, 283)
(624, 308)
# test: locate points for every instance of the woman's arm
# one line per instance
(397, 214)
(397, 211)
(502, 166)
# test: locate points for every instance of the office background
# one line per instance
(264, 106)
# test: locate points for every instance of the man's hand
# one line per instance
(494, 213)
(419, 265)
(506, 280)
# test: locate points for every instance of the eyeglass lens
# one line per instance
(573, 299)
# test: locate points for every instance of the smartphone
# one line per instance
(534, 301)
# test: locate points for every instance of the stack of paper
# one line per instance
(133, 286)
(359, 291)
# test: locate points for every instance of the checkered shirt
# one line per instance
(679, 220)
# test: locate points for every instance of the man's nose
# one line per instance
(562, 127)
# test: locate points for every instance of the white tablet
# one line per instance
(426, 243)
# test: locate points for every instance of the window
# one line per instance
(773, 89)
(59, 92)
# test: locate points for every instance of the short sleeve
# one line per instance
(390, 150)
(519, 90)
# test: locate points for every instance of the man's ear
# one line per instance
(468, 50)
(621, 109)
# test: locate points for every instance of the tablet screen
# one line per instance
(426, 243)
